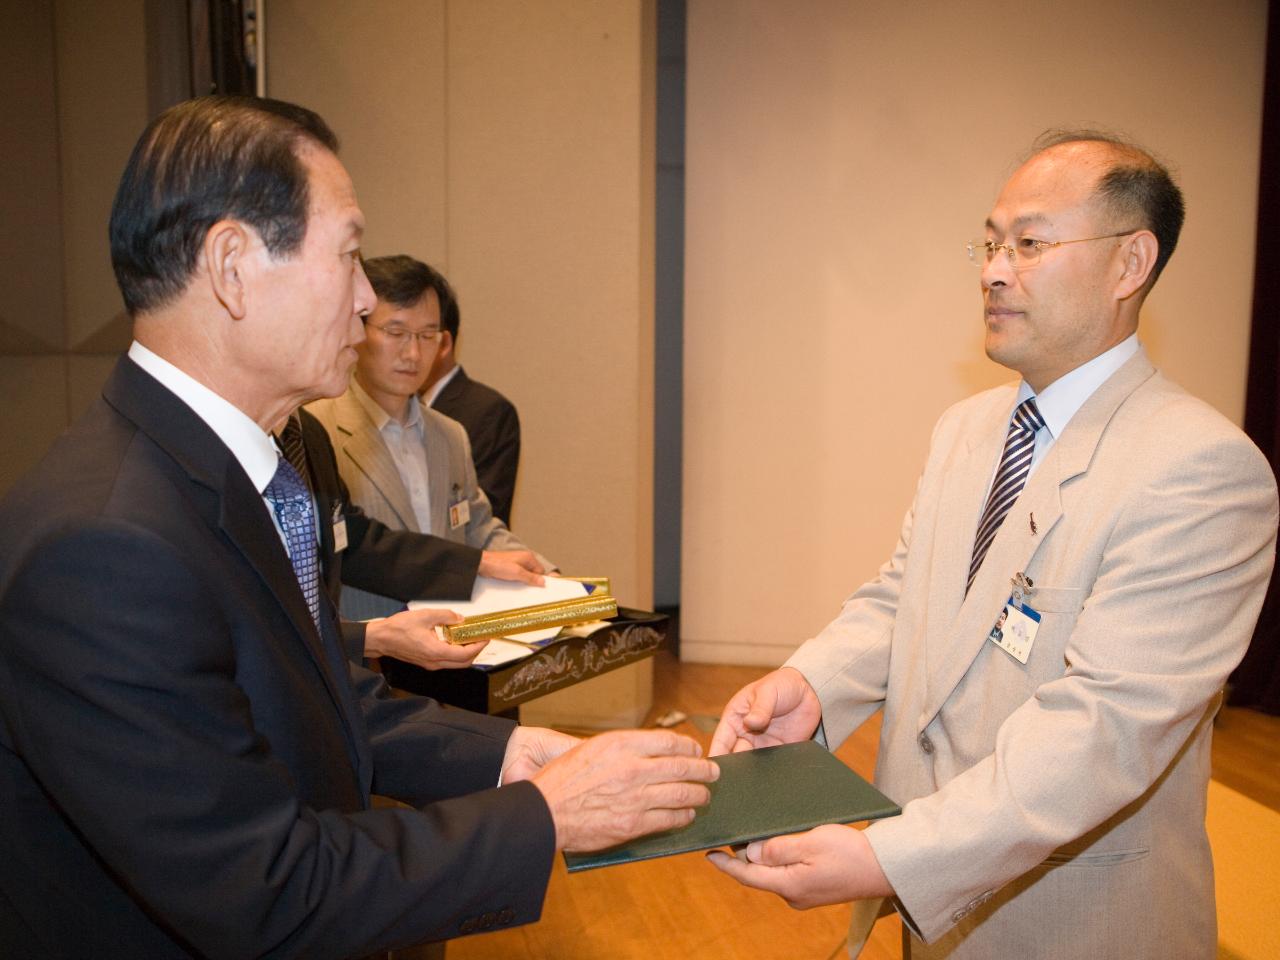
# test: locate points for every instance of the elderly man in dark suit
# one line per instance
(186, 755)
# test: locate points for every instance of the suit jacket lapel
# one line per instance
(443, 492)
(963, 631)
(454, 389)
(260, 545)
(242, 520)
(363, 444)
(967, 471)
(236, 507)
(240, 513)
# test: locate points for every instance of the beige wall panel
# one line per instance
(838, 156)
(376, 73)
(545, 226)
(511, 144)
(31, 241)
(102, 107)
(33, 394)
(550, 247)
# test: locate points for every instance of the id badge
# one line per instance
(339, 529)
(1015, 630)
(459, 514)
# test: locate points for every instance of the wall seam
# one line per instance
(446, 150)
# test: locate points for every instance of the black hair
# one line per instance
(403, 281)
(1136, 186)
(199, 162)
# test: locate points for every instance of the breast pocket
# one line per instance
(1064, 600)
(1059, 608)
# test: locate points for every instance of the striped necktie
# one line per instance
(294, 449)
(1015, 464)
(291, 500)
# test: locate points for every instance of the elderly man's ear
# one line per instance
(227, 263)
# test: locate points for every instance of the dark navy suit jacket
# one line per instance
(493, 427)
(185, 761)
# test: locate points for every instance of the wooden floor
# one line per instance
(681, 908)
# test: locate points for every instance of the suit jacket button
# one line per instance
(507, 916)
(468, 925)
(925, 743)
(959, 914)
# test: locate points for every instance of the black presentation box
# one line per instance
(630, 636)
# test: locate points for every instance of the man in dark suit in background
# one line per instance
(493, 427)
(186, 755)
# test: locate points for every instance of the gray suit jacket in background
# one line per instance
(1056, 809)
(374, 483)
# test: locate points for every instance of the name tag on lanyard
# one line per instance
(1015, 629)
(339, 529)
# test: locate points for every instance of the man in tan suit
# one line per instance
(1053, 786)
(405, 464)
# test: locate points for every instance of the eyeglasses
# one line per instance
(1025, 251)
(402, 335)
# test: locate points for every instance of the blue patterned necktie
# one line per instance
(1015, 465)
(291, 501)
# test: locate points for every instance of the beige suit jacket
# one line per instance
(1056, 809)
(370, 474)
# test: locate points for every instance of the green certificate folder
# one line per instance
(760, 793)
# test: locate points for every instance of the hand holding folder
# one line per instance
(760, 793)
(806, 865)
(778, 708)
(614, 786)
(826, 865)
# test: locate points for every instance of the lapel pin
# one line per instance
(1033, 523)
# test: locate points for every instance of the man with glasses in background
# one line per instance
(405, 464)
(1053, 774)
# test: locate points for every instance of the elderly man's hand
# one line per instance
(532, 748)
(411, 636)
(778, 708)
(518, 565)
(622, 785)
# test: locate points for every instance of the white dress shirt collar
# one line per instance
(248, 442)
(407, 444)
(379, 416)
(430, 398)
(1059, 401)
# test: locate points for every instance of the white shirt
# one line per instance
(430, 398)
(1059, 401)
(249, 443)
(407, 443)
